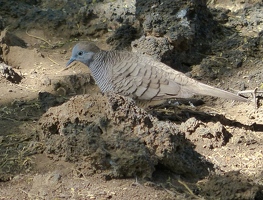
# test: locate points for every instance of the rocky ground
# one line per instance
(60, 138)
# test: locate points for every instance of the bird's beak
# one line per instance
(71, 60)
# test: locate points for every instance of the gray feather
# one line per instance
(140, 76)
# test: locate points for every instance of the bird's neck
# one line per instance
(101, 70)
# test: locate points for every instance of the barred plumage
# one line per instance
(139, 76)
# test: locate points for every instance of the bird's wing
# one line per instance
(136, 76)
(144, 78)
(188, 86)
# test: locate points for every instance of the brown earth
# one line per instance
(61, 139)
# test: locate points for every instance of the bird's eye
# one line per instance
(80, 53)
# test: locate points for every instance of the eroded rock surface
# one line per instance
(7, 72)
(112, 133)
(207, 135)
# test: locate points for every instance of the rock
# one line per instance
(208, 135)
(8, 72)
(113, 135)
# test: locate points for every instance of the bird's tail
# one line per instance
(203, 89)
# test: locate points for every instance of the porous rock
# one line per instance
(111, 133)
(207, 135)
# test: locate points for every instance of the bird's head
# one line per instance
(83, 52)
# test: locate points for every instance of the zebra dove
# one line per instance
(139, 76)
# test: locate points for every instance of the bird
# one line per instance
(140, 76)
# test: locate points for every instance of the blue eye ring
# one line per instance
(80, 53)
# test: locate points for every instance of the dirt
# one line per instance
(60, 138)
